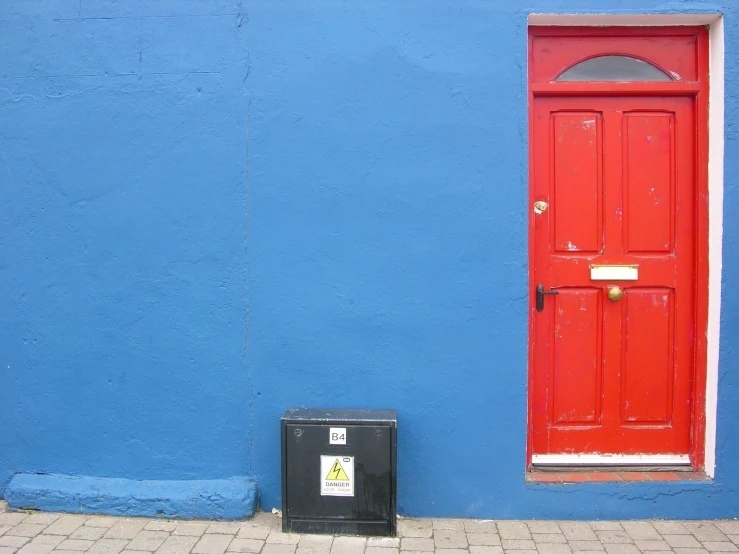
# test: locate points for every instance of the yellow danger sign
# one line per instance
(337, 473)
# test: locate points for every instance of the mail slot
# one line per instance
(339, 471)
(614, 272)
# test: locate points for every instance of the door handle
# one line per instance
(540, 297)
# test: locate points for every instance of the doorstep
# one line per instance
(568, 476)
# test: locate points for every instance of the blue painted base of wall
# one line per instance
(232, 498)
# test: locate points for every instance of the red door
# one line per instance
(614, 181)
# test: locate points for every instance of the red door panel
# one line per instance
(576, 150)
(618, 174)
(649, 181)
(648, 372)
(574, 392)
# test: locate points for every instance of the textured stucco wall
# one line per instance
(123, 163)
(215, 211)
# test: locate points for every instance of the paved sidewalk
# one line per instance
(44, 533)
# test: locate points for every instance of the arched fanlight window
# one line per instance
(614, 68)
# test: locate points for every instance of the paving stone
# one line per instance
(305, 550)
(518, 544)
(586, 546)
(513, 530)
(483, 539)
(605, 526)
(652, 546)
(13, 541)
(382, 550)
(481, 526)
(161, 525)
(642, 530)
(78, 545)
(26, 530)
(543, 527)
(49, 533)
(191, 529)
(252, 531)
(212, 544)
(486, 549)
(447, 523)
(348, 545)
(614, 537)
(108, 546)
(555, 538)
(316, 541)
(577, 531)
(224, 528)
(415, 528)
(553, 548)
(449, 538)
(65, 525)
(11, 518)
(147, 541)
(36, 548)
(278, 549)
(48, 539)
(125, 529)
(681, 541)
(87, 533)
(277, 537)
(621, 548)
(382, 542)
(41, 517)
(670, 528)
(716, 546)
(313, 548)
(177, 545)
(266, 519)
(102, 521)
(705, 531)
(43, 544)
(246, 545)
(417, 543)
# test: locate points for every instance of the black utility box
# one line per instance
(339, 471)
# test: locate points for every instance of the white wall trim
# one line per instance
(715, 230)
(715, 175)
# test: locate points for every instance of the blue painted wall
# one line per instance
(215, 211)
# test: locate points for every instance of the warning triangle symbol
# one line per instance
(337, 473)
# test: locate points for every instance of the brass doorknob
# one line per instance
(615, 294)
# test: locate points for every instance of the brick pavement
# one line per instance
(47, 533)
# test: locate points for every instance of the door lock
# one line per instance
(540, 292)
(540, 206)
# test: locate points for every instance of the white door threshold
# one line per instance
(610, 460)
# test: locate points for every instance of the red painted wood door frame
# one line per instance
(623, 168)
